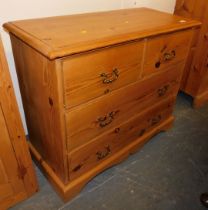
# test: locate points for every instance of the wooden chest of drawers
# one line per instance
(96, 87)
(195, 77)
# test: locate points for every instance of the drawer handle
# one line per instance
(103, 154)
(111, 77)
(162, 91)
(166, 57)
(156, 120)
(106, 120)
(169, 55)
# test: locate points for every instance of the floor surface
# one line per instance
(168, 173)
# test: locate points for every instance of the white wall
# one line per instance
(163, 5)
(24, 9)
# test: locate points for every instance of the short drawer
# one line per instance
(87, 121)
(166, 50)
(94, 74)
(106, 145)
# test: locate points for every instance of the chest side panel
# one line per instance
(41, 100)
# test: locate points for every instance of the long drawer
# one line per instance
(87, 121)
(107, 144)
(166, 50)
(94, 74)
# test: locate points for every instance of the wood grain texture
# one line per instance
(94, 153)
(185, 7)
(39, 86)
(71, 110)
(201, 100)
(10, 183)
(195, 76)
(191, 8)
(165, 51)
(17, 179)
(70, 190)
(82, 123)
(91, 75)
(61, 36)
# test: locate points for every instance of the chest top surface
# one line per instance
(65, 35)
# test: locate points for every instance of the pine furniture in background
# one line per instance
(195, 77)
(17, 175)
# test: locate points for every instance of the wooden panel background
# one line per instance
(17, 180)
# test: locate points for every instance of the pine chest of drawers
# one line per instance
(195, 76)
(96, 87)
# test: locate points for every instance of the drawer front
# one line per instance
(94, 74)
(106, 145)
(166, 50)
(87, 121)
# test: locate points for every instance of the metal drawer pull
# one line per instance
(162, 91)
(170, 56)
(103, 154)
(106, 120)
(156, 120)
(111, 77)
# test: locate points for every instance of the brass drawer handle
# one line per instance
(156, 120)
(111, 77)
(169, 55)
(162, 91)
(103, 154)
(106, 120)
